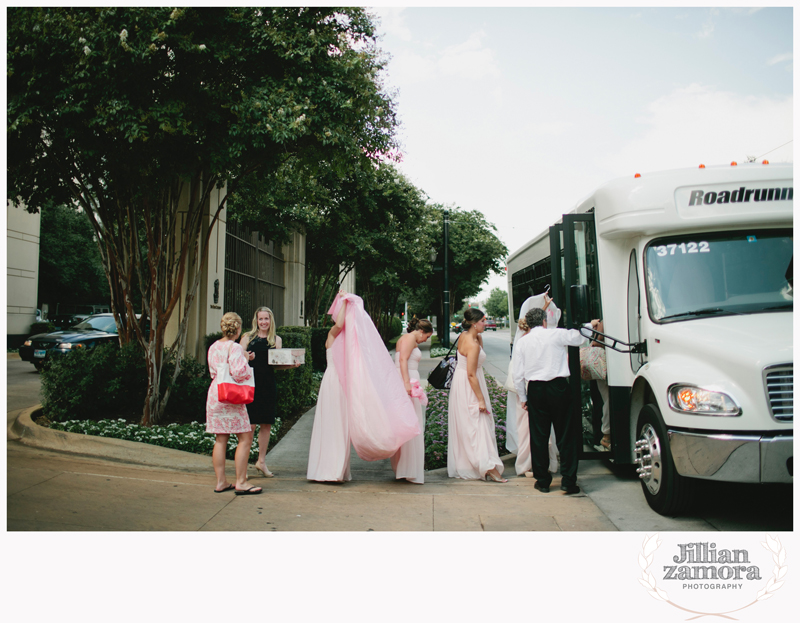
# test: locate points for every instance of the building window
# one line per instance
(253, 274)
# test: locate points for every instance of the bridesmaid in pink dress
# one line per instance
(224, 419)
(409, 461)
(329, 453)
(471, 443)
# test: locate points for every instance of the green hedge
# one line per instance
(42, 327)
(108, 381)
(396, 326)
(294, 384)
(318, 337)
(94, 383)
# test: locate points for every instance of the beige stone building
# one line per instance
(22, 271)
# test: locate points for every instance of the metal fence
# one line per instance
(253, 274)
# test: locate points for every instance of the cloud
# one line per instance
(392, 22)
(409, 68)
(746, 10)
(698, 124)
(787, 57)
(469, 59)
(706, 31)
(707, 28)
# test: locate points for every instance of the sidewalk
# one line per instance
(61, 481)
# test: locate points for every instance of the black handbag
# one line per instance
(442, 375)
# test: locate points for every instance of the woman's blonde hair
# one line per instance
(522, 324)
(230, 324)
(270, 332)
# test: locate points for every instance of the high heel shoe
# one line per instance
(490, 477)
(266, 473)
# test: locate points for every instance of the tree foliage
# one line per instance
(497, 303)
(70, 270)
(474, 252)
(138, 115)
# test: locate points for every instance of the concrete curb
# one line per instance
(31, 434)
(11, 356)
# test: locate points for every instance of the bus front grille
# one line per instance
(780, 392)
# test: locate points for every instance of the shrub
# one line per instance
(42, 327)
(94, 383)
(188, 395)
(210, 339)
(294, 384)
(107, 380)
(318, 356)
(396, 327)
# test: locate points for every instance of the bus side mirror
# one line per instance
(579, 305)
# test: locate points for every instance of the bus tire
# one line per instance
(666, 491)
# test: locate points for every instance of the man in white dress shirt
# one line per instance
(541, 380)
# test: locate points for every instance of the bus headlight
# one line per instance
(699, 401)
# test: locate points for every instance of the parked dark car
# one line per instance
(65, 321)
(97, 329)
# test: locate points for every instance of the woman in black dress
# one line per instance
(261, 411)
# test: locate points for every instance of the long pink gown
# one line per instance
(380, 417)
(409, 461)
(329, 454)
(471, 442)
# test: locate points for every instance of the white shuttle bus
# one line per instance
(691, 272)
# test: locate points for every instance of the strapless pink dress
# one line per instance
(471, 442)
(329, 453)
(409, 461)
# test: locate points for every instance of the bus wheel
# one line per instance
(666, 491)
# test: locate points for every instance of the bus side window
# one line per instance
(634, 311)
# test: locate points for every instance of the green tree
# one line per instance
(497, 303)
(139, 115)
(70, 270)
(474, 252)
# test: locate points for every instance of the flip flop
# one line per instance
(249, 491)
(228, 488)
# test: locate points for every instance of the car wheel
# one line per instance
(38, 365)
(666, 491)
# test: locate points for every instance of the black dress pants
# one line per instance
(549, 403)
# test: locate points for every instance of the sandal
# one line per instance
(250, 491)
(606, 442)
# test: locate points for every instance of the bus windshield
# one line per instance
(723, 273)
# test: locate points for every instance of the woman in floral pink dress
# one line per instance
(224, 419)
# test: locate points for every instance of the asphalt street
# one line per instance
(617, 492)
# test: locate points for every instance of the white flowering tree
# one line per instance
(123, 111)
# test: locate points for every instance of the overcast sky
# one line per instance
(521, 112)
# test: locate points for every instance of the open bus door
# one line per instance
(573, 256)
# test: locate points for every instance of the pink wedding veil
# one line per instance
(380, 416)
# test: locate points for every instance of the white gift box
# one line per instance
(286, 356)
